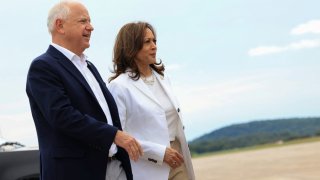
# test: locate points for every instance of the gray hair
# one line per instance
(59, 11)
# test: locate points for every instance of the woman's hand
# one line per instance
(173, 158)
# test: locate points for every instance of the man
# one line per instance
(76, 118)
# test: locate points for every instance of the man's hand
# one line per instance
(173, 158)
(130, 144)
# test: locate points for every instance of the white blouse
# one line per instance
(171, 113)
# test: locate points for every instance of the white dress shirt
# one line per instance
(82, 66)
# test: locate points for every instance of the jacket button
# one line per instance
(178, 109)
(152, 160)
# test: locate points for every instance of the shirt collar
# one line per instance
(69, 54)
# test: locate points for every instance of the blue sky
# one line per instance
(229, 61)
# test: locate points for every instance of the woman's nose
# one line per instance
(154, 45)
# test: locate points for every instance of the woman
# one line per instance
(147, 107)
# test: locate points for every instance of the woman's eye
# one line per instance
(149, 41)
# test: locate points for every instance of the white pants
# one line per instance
(115, 171)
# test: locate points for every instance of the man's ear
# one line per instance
(59, 26)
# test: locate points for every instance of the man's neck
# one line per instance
(65, 45)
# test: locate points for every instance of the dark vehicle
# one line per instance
(18, 162)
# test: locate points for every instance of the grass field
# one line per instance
(296, 160)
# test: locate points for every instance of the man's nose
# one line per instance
(89, 27)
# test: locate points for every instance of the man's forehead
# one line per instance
(84, 17)
(78, 9)
(80, 14)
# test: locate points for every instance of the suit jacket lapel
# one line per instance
(109, 98)
(70, 67)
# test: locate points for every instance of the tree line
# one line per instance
(256, 133)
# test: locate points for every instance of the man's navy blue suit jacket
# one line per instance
(73, 134)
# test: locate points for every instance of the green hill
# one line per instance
(256, 133)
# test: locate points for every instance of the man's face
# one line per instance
(77, 28)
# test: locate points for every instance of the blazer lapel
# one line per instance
(163, 82)
(139, 84)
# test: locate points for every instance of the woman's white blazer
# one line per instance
(143, 117)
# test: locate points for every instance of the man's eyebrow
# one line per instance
(84, 19)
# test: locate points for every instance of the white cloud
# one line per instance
(312, 26)
(264, 50)
(208, 96)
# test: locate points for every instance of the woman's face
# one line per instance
(148, 52)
